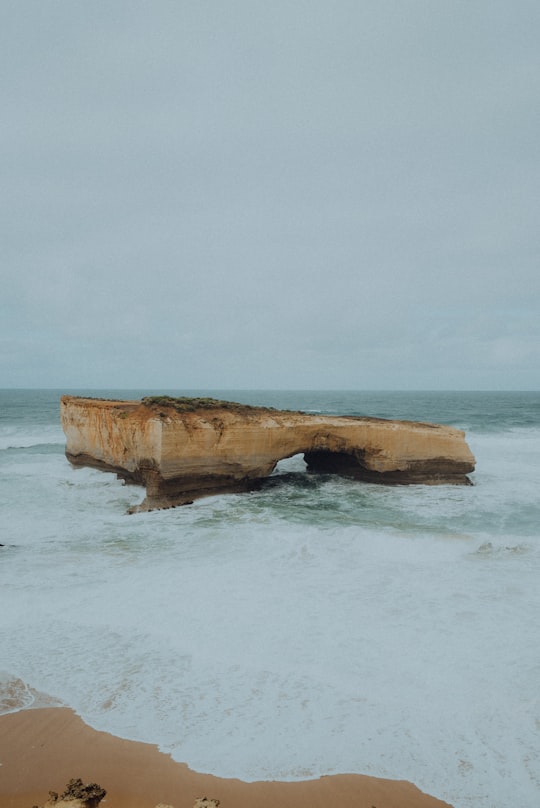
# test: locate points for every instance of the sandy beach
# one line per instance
(42, 749)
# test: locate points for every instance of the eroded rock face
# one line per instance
(180, 453)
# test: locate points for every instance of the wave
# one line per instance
(13, 438)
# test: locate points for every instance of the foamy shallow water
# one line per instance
(315, 626)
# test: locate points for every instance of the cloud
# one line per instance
(276, 195)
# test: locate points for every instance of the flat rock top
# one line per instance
(204, 407)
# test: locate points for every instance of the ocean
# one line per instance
(318, 625)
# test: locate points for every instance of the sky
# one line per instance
(287, 195)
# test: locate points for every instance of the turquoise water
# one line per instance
(318, 625)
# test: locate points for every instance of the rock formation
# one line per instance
(79, 795)
(76, 795)
(181, 449)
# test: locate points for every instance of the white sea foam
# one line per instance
(24, 436)
(314, 626)
(15, 695)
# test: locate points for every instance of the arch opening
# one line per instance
(324, 461)
(294, 464)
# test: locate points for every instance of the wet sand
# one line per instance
(42, 749)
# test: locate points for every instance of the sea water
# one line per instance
(316, 626)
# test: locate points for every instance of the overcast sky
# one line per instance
(296, 194)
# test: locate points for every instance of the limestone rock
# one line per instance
(204, 802)
(181, 450)
(77, 795)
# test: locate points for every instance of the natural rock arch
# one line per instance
(180, 450)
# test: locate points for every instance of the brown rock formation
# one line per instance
(79, 795)
(76, 795)
(181, 449)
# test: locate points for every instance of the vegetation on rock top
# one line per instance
(187, 404)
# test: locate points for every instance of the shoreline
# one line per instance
(42, 748)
